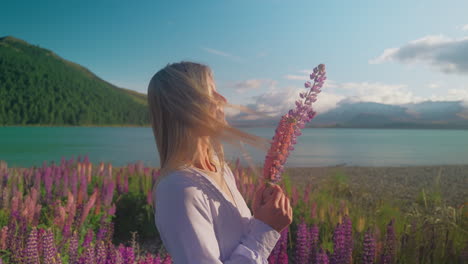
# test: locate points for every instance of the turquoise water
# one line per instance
(30, 146)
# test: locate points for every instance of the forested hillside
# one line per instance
(37, 87)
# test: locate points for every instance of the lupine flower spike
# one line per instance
(290, 125)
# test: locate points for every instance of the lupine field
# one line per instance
(75, 211)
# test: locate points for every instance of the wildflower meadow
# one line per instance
(75, 211)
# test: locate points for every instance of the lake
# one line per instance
(30, 146)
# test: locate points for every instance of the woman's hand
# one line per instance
(276, 210)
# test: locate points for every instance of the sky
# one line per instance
(261, 52)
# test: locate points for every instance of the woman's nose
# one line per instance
(220, 97)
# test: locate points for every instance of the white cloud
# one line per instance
(295, 77)
(222, 54)
(465, 27)
(453, 95)
(445, 54)
(379, 93)
(433, 85)
(277, 102)
(253, 84)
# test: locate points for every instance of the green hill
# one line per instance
(37, 87)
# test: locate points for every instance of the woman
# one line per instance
(199, 212)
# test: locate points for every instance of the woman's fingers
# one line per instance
(275, 201)
(258, 196)
(284, 208)
(289, 209)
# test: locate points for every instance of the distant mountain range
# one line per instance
(37, 87)
(427, 114)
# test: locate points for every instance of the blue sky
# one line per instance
(382, 51)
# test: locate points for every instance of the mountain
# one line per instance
(427, 114)
(375, 115)
(37, 87)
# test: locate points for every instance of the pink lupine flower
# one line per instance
(3, 238)
(289, 127)
(167, 260)
(88, 206)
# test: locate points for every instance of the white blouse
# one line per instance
(199, 224)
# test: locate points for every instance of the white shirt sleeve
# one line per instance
(185, 224)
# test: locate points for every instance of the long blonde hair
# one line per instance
(180, 107)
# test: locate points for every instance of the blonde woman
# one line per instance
(199, 212)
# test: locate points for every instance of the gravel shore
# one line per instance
(400, 183)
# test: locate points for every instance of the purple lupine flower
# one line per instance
(101, 234)
(348, 243)
(322, 257)
(32, 254)
(50, 253)
(338, 245)
(111, 253)
(313, 241)
(101, 255)
(65, 183)
(274, 256)
(388, 255)
(88, 238)
(88, 256)
(128, 255)
(302, 245)
(108, 192)
(74, 184)
(283, 254)
(73, 249)
(47, 176)
(368, 251)
(122, 252)
(66, 230)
